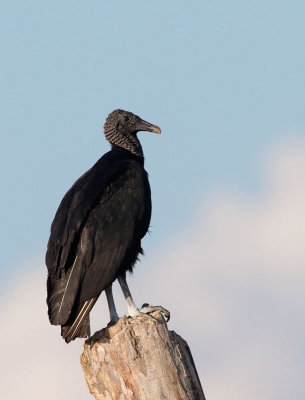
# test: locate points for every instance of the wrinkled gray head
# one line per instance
(121, 128)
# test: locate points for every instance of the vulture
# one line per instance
(97, 231)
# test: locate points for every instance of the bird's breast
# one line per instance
(130, 197)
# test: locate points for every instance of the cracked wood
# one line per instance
(140, 359)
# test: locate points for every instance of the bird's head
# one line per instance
(121, 128)
(126, 122)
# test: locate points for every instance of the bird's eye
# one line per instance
(126, 118)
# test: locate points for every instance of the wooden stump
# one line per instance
(139, 359)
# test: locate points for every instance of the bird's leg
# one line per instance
(133, 310)
(112, 310)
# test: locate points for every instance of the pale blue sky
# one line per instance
(225, 80)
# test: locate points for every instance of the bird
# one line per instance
(97, 231)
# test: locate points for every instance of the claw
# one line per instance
(143, 314)
(147, 308)
(139, 313)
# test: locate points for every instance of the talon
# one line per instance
(143, 314)
(139, 313)
(147, 308)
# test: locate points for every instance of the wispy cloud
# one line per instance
(233, 280)
(36, 363)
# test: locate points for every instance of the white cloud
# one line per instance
(233, 280)
(38, 364)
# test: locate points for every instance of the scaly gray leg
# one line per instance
(112, 310)
(133, 310)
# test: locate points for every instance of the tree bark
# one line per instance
(139, 359)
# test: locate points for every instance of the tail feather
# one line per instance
(80, 326)
(62, 292)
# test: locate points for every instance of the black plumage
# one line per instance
(97, 230)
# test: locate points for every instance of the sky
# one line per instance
(225, 82)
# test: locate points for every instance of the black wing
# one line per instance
(64, 267)
(75, 207)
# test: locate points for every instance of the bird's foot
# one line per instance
(135, 312)
(147, 309)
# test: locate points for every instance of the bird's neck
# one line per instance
(127, 154)
(129, 142)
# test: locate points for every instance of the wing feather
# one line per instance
(74, 208)
(65, 269)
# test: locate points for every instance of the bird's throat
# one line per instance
(129, 142)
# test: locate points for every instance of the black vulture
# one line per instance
(97, 230)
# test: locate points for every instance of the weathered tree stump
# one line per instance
(139, 359)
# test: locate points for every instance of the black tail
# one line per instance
(80, 325)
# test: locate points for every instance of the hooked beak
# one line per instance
(146, 126)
